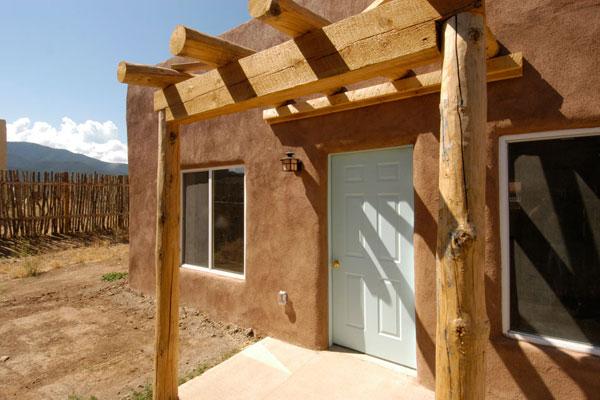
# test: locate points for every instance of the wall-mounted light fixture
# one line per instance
(289, 163)
(282, 298)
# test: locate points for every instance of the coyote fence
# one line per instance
(49, 203)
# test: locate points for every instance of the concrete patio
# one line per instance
(272, 369)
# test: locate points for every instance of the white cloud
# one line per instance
(92, 138)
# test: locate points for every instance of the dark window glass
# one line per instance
(195, 218)
(228, 219)
(554, 188)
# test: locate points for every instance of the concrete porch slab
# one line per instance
(272, 369)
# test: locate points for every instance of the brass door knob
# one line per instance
(335, 264)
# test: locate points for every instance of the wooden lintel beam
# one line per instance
(147, 75)
(492, 46)
(501, 68)
(351, 50)
(186, 42)
(286, 16)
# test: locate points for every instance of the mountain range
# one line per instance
(34, 157)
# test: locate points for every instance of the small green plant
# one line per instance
(76, 397)
(114, 276)
(144, 394)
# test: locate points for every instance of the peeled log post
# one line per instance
(167, 261)
(462, 325)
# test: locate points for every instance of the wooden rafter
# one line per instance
(146, 75)
(214, 51)
(286, 16)
(501, 68)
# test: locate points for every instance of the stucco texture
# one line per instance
(287, 238)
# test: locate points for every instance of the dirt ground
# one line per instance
(67, 332)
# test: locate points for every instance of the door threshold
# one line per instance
(401, 369)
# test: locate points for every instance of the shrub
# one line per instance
(114, 276)
(144, 394)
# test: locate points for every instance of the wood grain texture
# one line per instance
(286, 16)
(211, 50)
(167, 261)
(500, 68)
(342, 53)
(462, 325)
(146, 75)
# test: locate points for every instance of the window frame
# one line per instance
(504, 141)
(210, 268)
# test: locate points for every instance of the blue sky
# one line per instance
(60, 59)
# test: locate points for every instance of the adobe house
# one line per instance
(343, 250)
(3, 146)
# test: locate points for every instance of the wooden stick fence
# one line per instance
(50, 203)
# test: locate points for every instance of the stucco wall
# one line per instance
(287, 214)
(3, 155)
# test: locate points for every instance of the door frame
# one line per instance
(330, 235)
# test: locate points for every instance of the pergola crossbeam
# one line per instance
(286, 16)
(393, 35)
(500, 68)
(211, 50)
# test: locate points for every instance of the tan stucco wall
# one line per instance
(287, 215)
(3, 155)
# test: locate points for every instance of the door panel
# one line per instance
(372, 229)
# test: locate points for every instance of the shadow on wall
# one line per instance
(515, 106)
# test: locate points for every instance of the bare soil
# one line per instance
(66, 332)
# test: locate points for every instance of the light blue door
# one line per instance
(372, 254)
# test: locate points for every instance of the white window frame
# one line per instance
(504, 141)
(210, 268)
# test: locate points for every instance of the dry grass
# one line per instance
(35, 265)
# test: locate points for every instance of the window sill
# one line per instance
(560, 344)
(240, 277)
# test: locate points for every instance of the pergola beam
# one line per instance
(393, 35)
(286, 16)
(146, 75)
(211, 50)
(501, 68)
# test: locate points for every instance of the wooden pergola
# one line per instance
(388, 39)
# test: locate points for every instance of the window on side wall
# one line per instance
(213, 223)
(551, 238)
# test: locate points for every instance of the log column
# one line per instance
(462, 325)
(167, 261)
